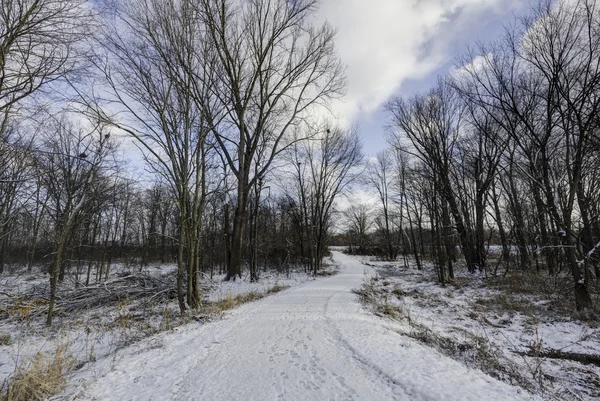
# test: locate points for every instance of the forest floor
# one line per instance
(315, 341)
(520, 328)
(92, 323)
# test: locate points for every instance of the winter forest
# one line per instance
(166, 165)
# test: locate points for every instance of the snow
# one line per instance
(219, 289)
(311, 342)
(454, 313)
(97, 333)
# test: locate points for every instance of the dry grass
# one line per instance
(23, 309)
(505, 302)
(233, 301)
(39, 377)
(475, 351)
(276, 288)
(368, 293)
(371, 296)
(227, 303)
(5, 338)
(537, 294)
(326, 273)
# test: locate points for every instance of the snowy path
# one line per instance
(313, 342)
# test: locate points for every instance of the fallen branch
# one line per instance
(586, 359)
(71, 298)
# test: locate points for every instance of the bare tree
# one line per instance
(275, 69)
(160, 73)
(325, 167)
(40, 42)
(380, 177)
(69, 162)
(360, 221)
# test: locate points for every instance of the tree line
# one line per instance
(240, 173)
(222, 99)
(503, 150)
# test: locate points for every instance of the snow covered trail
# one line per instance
(312, 342)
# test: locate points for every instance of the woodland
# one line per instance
(200, 134)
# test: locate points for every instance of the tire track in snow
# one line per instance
(368, 366)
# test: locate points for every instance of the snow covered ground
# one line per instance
(476, 321)
(97, 332)
(315, 341)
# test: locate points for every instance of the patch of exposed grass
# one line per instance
(23, 309)
(231, 302)
(429, 300)
(276, 288)
(368, 293)
(507, 302)
(398, 292)
(328, 271)
(249, 297)
(39, 377)
(551, 296)
(371, 296)
(5, 339)
(227, 303)
(388, 310)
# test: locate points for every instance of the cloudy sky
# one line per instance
(401, 46)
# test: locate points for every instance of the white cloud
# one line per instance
(478, 63)
(386, 42)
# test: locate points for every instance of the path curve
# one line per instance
(312, 342)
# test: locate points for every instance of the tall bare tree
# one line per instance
(161, 74)
(275, 70)
(326, 166)
(380, 177)
(69, 162)
(360, 220)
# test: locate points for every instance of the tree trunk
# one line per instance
(234, 269)
(446, 232)
(547, 249)
(501, 231)
(463, 233)
(517, 212)
(437, 235)
(413, 240)
(181, 261)
(480, 253)
(54, 278)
